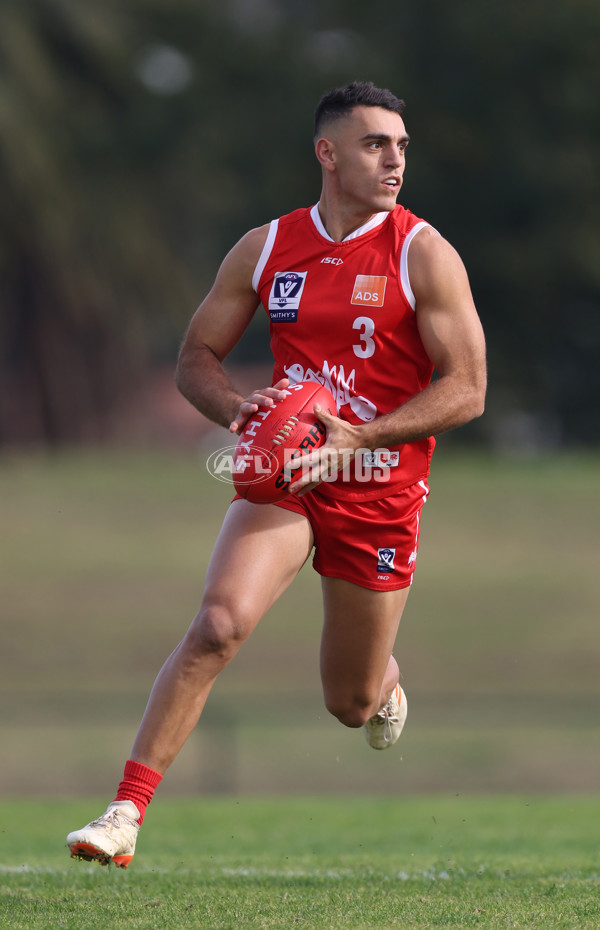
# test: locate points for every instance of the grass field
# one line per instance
(327, 864)
(103, 556)
(484, 816)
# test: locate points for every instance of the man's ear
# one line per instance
(325, 152)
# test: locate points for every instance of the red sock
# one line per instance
(138, 785)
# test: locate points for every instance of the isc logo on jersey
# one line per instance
(284, 299)
(369, 290)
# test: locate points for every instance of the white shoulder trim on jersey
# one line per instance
(264, 255)
(316, 218)
(376, 220)
(404, 279)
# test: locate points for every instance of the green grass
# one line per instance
(103, 554)
(355, 863)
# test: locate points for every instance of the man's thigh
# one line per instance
(359, 631)
(372, 543)
(259, 551)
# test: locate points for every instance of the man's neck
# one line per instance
(339, 225)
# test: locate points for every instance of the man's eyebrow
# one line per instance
(383, 137)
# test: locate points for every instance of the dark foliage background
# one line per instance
(138, 141)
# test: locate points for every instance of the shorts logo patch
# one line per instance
(369, 290)
(284, 299)
(381, 458)
(385, 560)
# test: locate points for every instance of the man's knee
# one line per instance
(352, 710)
(217, 631)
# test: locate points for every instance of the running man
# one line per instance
(368, 299)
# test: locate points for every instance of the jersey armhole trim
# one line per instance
(404, 279)
(264, 255)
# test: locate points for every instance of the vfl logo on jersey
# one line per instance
(381, 458)
(385, 560)
(369, 290)
(284, 299)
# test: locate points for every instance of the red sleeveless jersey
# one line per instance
(343, 314)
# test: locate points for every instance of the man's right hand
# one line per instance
(263, 397)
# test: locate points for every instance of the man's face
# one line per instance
(367, 158)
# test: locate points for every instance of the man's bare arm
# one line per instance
(453, 339)
(216, 327)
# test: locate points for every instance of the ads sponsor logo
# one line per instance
(284, 299)
(369, 290)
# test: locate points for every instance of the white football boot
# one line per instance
(110, 838)
(383, 729)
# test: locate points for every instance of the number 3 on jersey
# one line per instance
(366, 347)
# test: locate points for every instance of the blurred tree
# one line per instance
(83, 257)
(139, 141)
(511, 129)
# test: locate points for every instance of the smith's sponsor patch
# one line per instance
(284, 299)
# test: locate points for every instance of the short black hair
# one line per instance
(341, 101)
